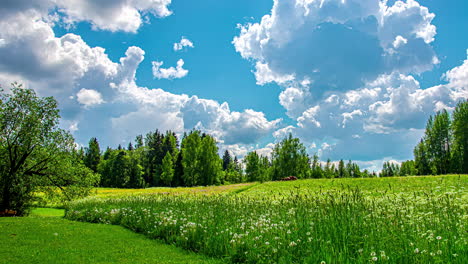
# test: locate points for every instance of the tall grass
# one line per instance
(339, 226)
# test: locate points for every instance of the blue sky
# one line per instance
(353, 79)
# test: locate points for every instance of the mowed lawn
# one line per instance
(46, 237)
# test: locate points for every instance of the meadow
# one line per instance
(392, 220)
(46, 237)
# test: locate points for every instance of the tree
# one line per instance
(167, 169)
(92, 154)
(178, 179)
(421, 160)
(35, 152)
(317, 171)
(289, 158)
(438, 140)
(460, 137)
(227, 160)
(252, 166)
(209, 161)
(190, 160)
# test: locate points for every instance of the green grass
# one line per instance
(391, 220)
(369, 186)
(45, 237)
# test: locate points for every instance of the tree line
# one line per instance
(442, 150)
(157, 159)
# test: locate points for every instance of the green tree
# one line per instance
(317, 171)
(209, 162)
(421, 159)
(178, 179)
(167, 169)
(438, 140)
(227, 160)
(256, 167)
(35, 152)
(191, 146)
(289, 158)
(92, 154)
(460, 137)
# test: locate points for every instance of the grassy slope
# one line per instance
(45, 237)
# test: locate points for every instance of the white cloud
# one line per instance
(171, 72)
(184, 42)
(399, 41)
(232, 127)
(325, 41)
(88, 97)
(117, 15)
(66, 66)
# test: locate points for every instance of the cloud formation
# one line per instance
(88, 97)
(171, 72)
(100, 97)
(184, 42)
(338, 45)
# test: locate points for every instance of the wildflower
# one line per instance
(439, 252)
(360, 250)
(323, 262)
(438, 237)
(373, 254)
(267, 243)
(416, 251)
(374, 258)
(292, 244)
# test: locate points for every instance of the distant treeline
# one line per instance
(158, 159)
(443, 148)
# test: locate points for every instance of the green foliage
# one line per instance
(92, 154)
(121, 168)
(167, 169)
(256, 167)
(460, 137)
(200, 160)
(444, 147)
(227, 160)
(289, 158)
(34, 152)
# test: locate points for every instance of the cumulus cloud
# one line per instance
(116, 109)
(184, 42)
(117, 15)
(88, 97)
(326, 42)
(171, 72)
(232, 127)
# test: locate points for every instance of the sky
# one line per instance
(353, 79)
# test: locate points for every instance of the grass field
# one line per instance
(45, 237)
(392, 220)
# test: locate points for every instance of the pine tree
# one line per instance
(227, 160)
(92, 154)
(178, 179)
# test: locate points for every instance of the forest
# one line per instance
(158, 159)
